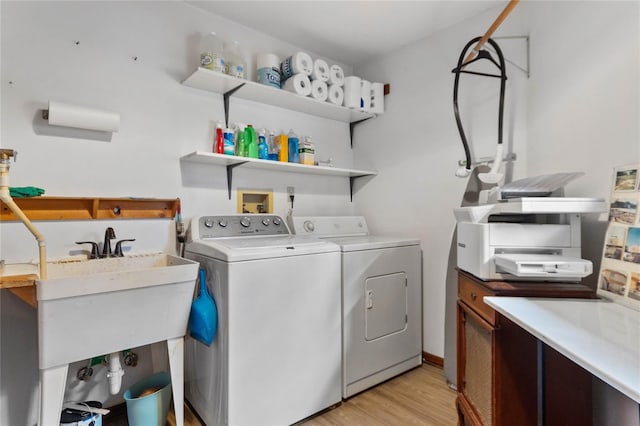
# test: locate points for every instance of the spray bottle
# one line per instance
(218, 146)
(263, 149)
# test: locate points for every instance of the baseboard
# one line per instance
(433, 359)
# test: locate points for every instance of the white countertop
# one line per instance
(601, 336)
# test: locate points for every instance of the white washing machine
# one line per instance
(276, 358)
(381, 299)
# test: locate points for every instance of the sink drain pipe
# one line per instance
(115, 373)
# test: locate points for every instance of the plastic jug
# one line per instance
(251, 142)
(283, 147)
(235, 64)
(241, 147)
(211, 54)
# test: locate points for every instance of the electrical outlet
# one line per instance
(291, 190)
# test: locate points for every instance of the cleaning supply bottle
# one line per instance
(241, 148)
(219, 139)
(263, 149)
(293, 142)
(283, 147)
(235, 63)
(273, 146)
(250, 141)
(229, 142)
(211, 55)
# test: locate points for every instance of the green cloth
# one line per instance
(25, 191)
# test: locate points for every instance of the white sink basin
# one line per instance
(100, 306)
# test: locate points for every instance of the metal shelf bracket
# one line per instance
(226, 97)
(230, 168)
(353, 124)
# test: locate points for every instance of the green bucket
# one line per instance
(152, 408)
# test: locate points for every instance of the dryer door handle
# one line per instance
(369, 299)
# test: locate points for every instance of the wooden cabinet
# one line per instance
(497, 361)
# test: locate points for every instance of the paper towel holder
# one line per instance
(80, 117)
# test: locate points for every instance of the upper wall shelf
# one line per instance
(226, 85)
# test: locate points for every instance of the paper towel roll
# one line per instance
(299, 84)
(268, 69)
(320, 70)
(336, 94)
(352, 92)
(299, 63)
(365, 96)
(319, 90)
(67, 115)
(336, 75)
(377, 98)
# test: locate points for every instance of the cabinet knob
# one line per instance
(473, 296)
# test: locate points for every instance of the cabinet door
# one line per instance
(476, 340)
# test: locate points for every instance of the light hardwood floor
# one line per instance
(418, 397)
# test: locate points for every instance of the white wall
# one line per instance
(161, 121)
(579, 111)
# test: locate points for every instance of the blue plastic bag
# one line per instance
(203, 318)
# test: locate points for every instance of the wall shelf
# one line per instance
(79, 208)
(231, 161)
(226, 85)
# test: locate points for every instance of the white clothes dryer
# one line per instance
(381, 299)
(276, 357)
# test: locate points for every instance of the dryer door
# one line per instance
(386, 305)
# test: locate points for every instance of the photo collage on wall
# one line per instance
(619, 277)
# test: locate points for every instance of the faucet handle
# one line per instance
(118, 251)
(94, 248)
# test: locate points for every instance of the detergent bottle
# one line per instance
(263, 148)
(283, 148)
(293, 142)
(241, 148)
(250, 141)
(219, 140)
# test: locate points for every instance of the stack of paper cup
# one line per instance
(352, 92)
(298, 84)
(377, 98)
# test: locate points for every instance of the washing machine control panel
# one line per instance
(239, 225)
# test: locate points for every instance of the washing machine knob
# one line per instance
(208, 223)
(222, 223)
(309, 226)
(265, 222)
(277, 221)
(245, 222)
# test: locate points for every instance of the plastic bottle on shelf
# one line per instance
(229, 142)
(241, 148)
(218, 146)
(283, 147)
(274, 149)
(250, 141)
(211, 54)
(235, 64)
(263, 148)
(293, 142)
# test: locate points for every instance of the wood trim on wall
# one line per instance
(432, 359)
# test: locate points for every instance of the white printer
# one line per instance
(527, 237)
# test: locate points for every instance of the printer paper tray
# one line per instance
(542, 265)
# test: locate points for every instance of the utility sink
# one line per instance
(94, 307)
